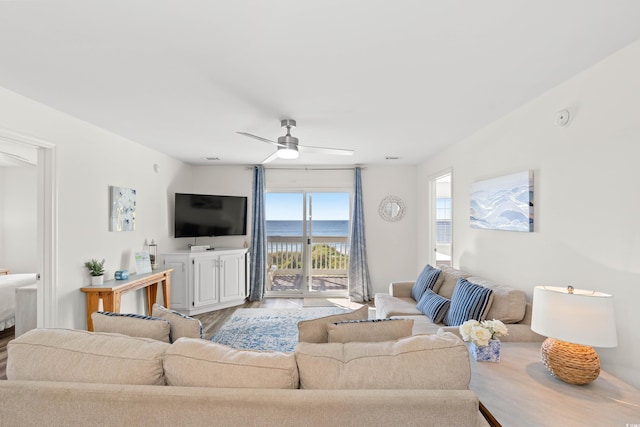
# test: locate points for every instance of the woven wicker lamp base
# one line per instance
(571, 363)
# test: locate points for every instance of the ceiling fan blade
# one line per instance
(259, 138)
(325, 150)
(270, 158)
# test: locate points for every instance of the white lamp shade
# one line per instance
(582, 317)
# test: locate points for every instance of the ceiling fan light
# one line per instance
(287, 153)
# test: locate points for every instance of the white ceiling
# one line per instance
(385, 78)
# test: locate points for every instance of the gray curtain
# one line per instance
(359, 283)
(258, 249)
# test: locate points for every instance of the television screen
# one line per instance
(200, 215)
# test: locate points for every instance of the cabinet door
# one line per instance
(205, 281)
(179, 288)
(232, 274)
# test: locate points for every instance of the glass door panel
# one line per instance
(285, 243)
(328, 216)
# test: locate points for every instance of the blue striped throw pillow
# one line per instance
(433, 306)
(426, 280)
(469, 301)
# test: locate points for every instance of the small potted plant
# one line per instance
(96, 269)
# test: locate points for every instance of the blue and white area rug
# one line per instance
(268, 328)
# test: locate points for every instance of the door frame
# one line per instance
(47, 224)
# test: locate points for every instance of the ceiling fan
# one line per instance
(288, 146)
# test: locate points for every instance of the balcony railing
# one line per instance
(329, 255)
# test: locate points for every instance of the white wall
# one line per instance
(18, 227)
(391, 246)
(89, 160)
(586, 196)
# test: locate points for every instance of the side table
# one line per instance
(520, 391)
(111, 291)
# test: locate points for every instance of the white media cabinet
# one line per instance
(207, 280)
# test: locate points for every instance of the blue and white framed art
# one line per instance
(503, 203)
(123, 209)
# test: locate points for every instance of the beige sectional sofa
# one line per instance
(59, 377)
(508, 305)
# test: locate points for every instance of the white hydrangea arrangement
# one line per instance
(480, 333)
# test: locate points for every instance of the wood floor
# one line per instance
(211, 322)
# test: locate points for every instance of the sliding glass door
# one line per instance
(307, 243)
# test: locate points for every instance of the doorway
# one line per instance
(442, 224)
(47, 261)
(307, 243)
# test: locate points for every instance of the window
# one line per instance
(443, 220)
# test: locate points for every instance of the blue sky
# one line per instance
(326, 206)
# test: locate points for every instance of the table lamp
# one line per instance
(574, 320)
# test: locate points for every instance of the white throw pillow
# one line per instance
(181, 326)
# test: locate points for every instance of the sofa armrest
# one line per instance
(401, 289)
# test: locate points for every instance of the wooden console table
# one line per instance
(520, 391)
(111, 291)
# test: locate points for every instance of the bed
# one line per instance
(8, 285)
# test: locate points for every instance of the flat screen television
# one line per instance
(202, 215)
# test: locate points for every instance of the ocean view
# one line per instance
(320, 228)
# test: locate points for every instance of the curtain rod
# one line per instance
(314, 169)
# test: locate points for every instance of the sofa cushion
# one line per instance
(198, 363)
(448, 280)
(426, 280)
(416, 362)
(469, 301)
(67, 355)
(180, 325)
(134, 325)
(388, 305)
(509, 305)
(369, 330)
(433, 306)
(315, 330)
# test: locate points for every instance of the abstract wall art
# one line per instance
(123, 209)
(503, 203)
